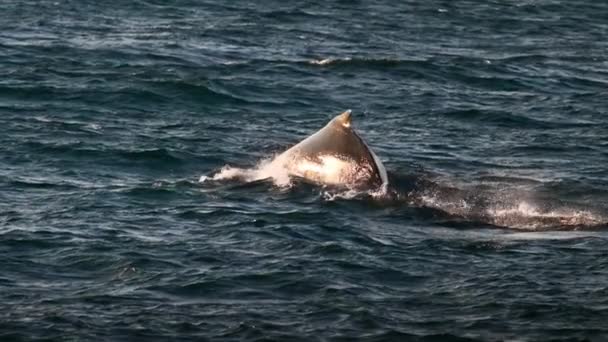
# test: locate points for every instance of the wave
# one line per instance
(45, 184)
(202, 91)
(328, 61)
(79, 150)
(362, 61)
(470, 72)
(505, 119)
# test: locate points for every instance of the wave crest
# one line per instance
(363, 61)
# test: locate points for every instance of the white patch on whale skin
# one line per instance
(330, 169)
(326, 169)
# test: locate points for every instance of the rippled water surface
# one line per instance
(135, 203)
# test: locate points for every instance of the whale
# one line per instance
(335, 155)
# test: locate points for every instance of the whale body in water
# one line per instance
(335, 155)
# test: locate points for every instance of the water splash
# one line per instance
(265, 169)
(515, 208)
(353, 194)
(510, 208)
(275, 169)
(529, 215)
(329, 170)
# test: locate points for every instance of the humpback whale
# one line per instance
(335, 155)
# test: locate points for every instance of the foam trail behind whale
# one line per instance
(507, 207)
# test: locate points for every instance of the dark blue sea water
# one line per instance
(490, 116)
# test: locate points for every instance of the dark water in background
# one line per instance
(491, 116)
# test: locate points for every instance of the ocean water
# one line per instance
(136, 205)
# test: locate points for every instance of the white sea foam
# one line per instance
(349, 194)
(330, 170)
(344, 194)
(513, 212)
(528, 215)
(266, 169)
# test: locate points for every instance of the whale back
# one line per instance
(335, 155)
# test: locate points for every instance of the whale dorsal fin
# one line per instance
(344, 118)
